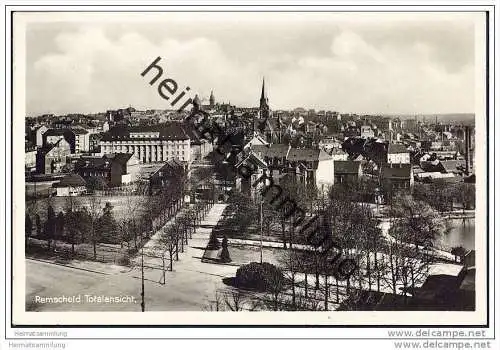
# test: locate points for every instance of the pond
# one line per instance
(462, 233)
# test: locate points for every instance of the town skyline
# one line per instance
(349, 67)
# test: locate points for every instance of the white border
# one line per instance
(298, 332)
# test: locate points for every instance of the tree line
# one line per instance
(396, 261)
(92, 220)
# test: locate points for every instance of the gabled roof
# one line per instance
(257, 139)
(120, 158)
(71, 180)
(253, 158)
(104, 162)
(346, 167)
(173, 166)
(307, 155)
(57, 132)
(271, 151)
(79, 131)
(402, 171)
(396, 148)
(100, 163)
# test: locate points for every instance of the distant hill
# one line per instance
(447, 117)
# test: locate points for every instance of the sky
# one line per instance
(348, 62)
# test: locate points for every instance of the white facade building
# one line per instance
(39, 135)
(398, 154)
(150, 144)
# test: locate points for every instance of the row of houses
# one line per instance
(149, 144)
(312, 166)
(115, 170)
(321, 168)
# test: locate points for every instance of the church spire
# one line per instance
(212, 98)
(264, 110)
(264, 102)
(263, 96)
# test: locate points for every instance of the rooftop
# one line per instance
(403, 171)
(307, 155)
(271, 151)
(71, 180)
(452, 166)
(396, 148)
(346, 167)
(103, 162)
(167, 131)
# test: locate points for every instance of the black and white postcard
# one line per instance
(250, 167)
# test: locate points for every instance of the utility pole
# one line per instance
(143, 304)
(261, 219)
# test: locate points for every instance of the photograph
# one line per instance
(250, 167)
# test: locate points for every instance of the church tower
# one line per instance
(264, 111)
(212, 99)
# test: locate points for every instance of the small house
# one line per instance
(70, 185)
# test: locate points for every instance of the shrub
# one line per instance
(123, 260)
(263, 277)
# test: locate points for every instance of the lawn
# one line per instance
(241, 255)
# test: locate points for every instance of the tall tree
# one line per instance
(291, 263)
(107, 226)
(94, 210)
(50, 226)
(72, 223)
(415, 227)
(28, 228)
(465, 193)
(59, 231)
(38, 224)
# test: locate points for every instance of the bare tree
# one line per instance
(291, 263)
(234, 300)
(168, 242)
(217, 304)
(94, 209)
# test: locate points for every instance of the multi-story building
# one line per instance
(171, 173)
(39, 135)
(338, 154)
(397, 176)
(347, 171)
(313, 166)
(78, 138)
(367, 132)
(149, 143)
(397, 124)
(82, 140)
(115, 169)
(327, 143)
(52, 157)
(398, 154)
(30, 159)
